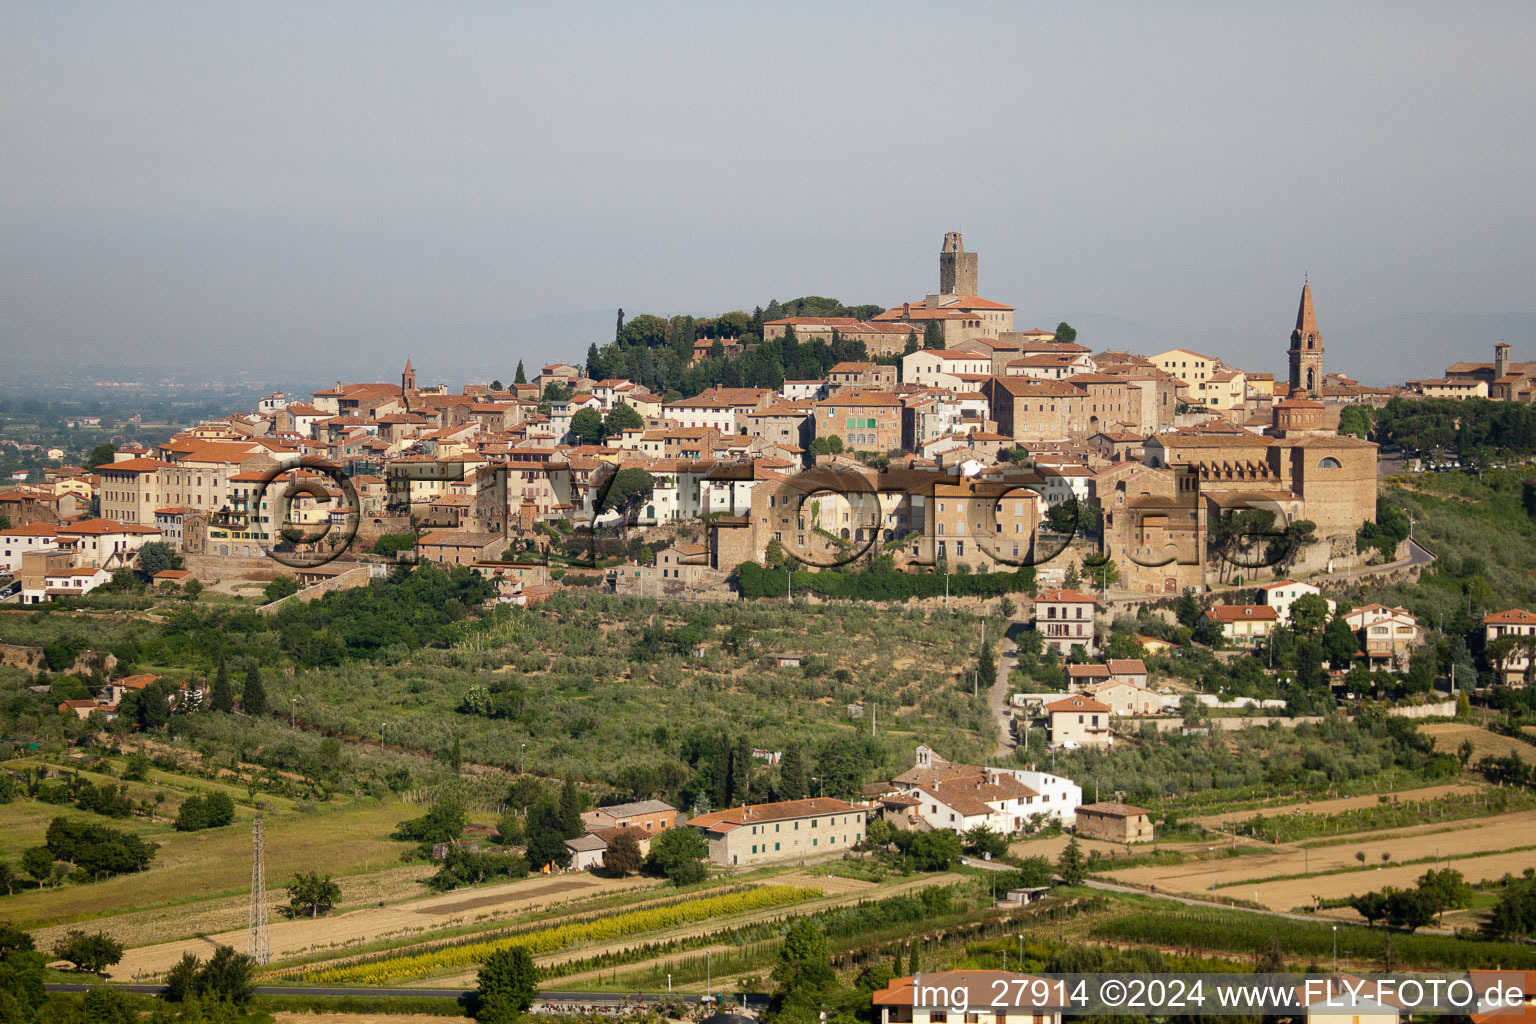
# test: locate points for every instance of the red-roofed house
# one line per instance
(1514, 622)
(1080, 721)
(1243, 623)
(787, 830)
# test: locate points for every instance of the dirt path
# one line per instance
(299, 937)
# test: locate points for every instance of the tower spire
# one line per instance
(1306, 316)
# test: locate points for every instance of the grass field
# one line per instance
(191, 867)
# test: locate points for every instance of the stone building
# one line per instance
(1115, 823)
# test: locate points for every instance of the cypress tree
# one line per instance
(223, 696)
(912, 964)
(254, 697)
(741, 769)
(570, 810)
(792, 774)
(521, 377)
(721, 773)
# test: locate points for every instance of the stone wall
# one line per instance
(349, 580)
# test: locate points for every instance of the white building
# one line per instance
(16, 541)
(1282, 594)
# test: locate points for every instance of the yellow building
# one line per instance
(1190, 367)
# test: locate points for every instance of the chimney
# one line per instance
(906, 311)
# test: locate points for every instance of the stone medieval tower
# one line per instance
(957, 268)
(1306, 348)
(408, 378)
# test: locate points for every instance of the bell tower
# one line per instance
(1306, 348)
(957, 268)
(408, 378)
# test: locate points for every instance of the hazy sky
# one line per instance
(346, 182)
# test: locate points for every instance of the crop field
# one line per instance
(1448, 736)
(1338, 804)
(1294, 873)
(302, 936)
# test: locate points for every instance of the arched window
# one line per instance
(1329, 463)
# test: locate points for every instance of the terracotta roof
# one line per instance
(1127, 666)
(1077, 702)
(30, 530)
(1113, 810)
(735, 817)
(133, 466)
(1226, 613)
(1512, 617)
(1064, 595)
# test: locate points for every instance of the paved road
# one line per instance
(754, 1000)
(998, 696)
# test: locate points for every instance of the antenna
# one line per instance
(256, 941)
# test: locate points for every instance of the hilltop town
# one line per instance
(814, 612)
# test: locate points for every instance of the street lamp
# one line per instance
(709, 972)
(1335, 950)
(293, 704)
(1213, 868)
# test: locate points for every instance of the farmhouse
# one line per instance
(652, 816)
(786, 830)
(1116, 823)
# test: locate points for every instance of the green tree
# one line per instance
(279, 588)
(984, 841)
(1339, 642)
(623, 856)
(678, 855)
(506, 986)
(312, 893)
(93, 953)
(1514, 914)
(938, 850)
(253, 696)
(1070, 864)
(226, 977)
(101, 455)
(933, 335)
(546, 843)
(741, 769)
(38, 861)
(222, 696)
(621, 418)
(192, 588)
(1100, 570)
(792, 774)
(803, 962)
(1066, 333)
(181, 980)
(624, 492)
(520, 377)
(587, 426)
(157, 556)
(571, 824)
(1410, 908)
(1309, 613)
(8, 878)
